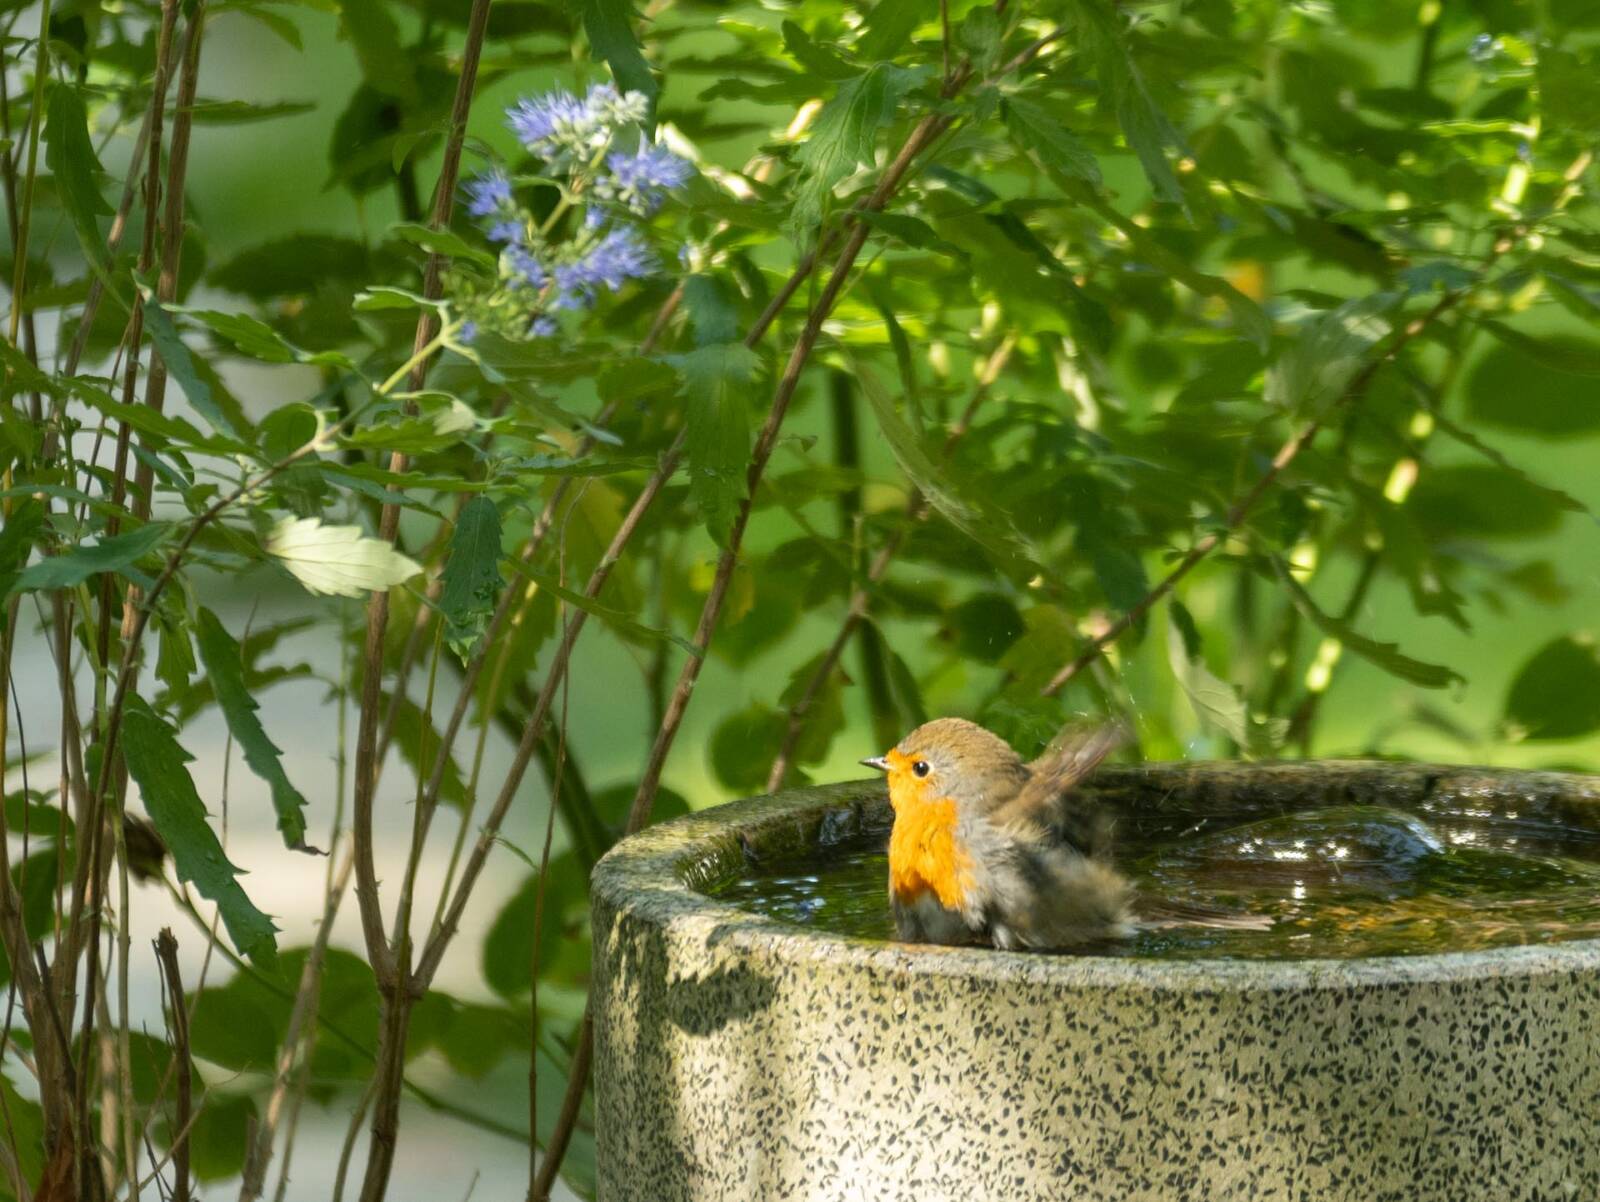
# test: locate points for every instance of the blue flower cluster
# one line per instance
(591, 149)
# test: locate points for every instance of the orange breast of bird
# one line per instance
(925, 852)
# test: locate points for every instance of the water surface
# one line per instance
(1341, 882)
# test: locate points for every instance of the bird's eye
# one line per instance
(921, 768)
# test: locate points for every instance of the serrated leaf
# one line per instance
(609, 26)
(471, 575)
(990, 532)
(17, 538)
(1149, 133)
(713, 318)
(1247, 315)
(1034, 128)
(76, 170)
(818, 61)
(115, 554)
(339, 561)
(1218, 704)
(612, 617)
(887, 27)
(1387, 656)
(385, 63)
(225, 670)
(442, 242)
(1556, 693)
(716, 382)
(845, 134)
(980, 35)
(181, 366)
(1312, 375)
(156, 763)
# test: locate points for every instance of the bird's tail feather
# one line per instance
(1163, 914)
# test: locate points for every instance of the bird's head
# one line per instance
(950, 758)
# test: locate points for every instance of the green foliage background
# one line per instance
(1116, 285)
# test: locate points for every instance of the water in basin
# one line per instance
(1341, 882)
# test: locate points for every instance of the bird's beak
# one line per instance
(878, 762)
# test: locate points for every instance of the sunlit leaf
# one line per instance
(337, 560)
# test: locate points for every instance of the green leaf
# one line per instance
(1385, 655)
(338, 561)
(116, 554)
(713, 318)
(443, 242)
(1247, 315)
(990, 532)
(845, 134)
(242, 112)
(980, 35)
(1034, 128)
(1147, 129)
(17, 539)
(887, 27)
(1565, 353)
(1313, 374)
(1478, 501)
(180, 366)
(716, 383)
(76, 170)
(1556, 694)
(743, 747)
(385, 63)
(507, 954)
(1541, 386)
(1218, 704)
(818, 61)
(609, 26)
(156, 763)
(225, 669)
(611, 617)
(471, 576)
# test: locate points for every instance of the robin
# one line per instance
(989, 848)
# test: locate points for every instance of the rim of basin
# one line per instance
(656, 876)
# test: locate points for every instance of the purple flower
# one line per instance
(558, 127)
(505, 231)
(537, 120)
(525, 269)
(618, 257)
(488, 194)
(543, 327)
(639, 180)
(467, 332)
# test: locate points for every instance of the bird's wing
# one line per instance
(1046, 800)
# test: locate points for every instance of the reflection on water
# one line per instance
(1342, 882)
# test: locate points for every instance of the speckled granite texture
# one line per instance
(740, 1058)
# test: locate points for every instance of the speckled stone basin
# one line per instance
(737, 1057)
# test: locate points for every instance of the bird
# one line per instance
(988, 848)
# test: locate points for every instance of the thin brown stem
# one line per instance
(391, 965)
(167, 954)
(384, 964)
